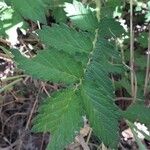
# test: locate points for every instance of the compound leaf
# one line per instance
(60, 114)
(96, 89)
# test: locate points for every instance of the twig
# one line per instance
(82, 142)
(32, 111)
(45, 90)
(10, 85)
(102, 147)
(135, 81)
(5, 57)
(124, 98)
(5, 104)
(92, 145)
(12, 78)
(16, 114)
(127, 99)
(39, 26)
(10, 147)
(5, 42)
(89, 136)
(42, 144)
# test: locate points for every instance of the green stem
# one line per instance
(98, 8)
(98, 5)
(13, 78)
(132, 52)
(147, 67)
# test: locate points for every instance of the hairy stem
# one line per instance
(98, 5)
(132, 50)
(148, 65)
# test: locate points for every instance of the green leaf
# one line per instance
(8, 2)
(140, 61)
(59, 14)
(138, 112)
(140, 79)
(28, 9)
(109, 27)
(125, 83)
(147, 16)
(51, 65)
(8, 18)
(109, 50)
(61, 116)
(64, 38)
(98, 97)
(143, 39)
(57, 8)
(60, 64)
(82, 16)
(109, 7)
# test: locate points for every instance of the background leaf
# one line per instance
(108, 7)
(57, 7)
(138, 112)
(81, 15)
(64, 38)
(28, 9)
(109, 27)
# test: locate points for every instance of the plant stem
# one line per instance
(148, 65)
(13, 78)
(98, 7)
(132, 50)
